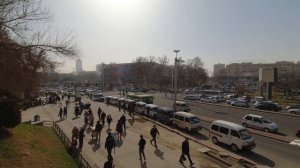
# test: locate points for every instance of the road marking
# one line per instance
(295, 142)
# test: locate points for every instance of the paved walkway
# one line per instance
(126, 153)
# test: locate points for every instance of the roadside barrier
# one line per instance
(82, 161)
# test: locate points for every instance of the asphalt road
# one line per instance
(268, 152)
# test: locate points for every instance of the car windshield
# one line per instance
(245, 134)
(194, 120)
(155, 109)
(266, 121)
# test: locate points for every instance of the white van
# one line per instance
(234, 135)
(140, 108)
(182, 106)
(186, 121)
(152, 110)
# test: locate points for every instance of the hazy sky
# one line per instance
(218, 31)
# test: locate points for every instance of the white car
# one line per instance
(258, 122)
(240, 103)
(295, 109)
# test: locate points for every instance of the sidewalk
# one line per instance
(126, 152)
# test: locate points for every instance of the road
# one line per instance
(268, 152)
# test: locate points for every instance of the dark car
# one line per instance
(267, 106)
(190, 97)
(85, 105)
(165, 115)
(98, 97)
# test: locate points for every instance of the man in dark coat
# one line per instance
(153, 133)
(99, 112)
(123, 121)
(109, 143)
(109, 162)
(98, 131)
(142, 144)
(103, 115)
(185, 151)
(65, 112)
(81, 136)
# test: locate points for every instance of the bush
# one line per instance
(10, 115)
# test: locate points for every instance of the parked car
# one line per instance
(85, 105)
(190, 97)
(298, 132)
(186, 121)
(258, 122)
(258, 99)
(231, 100)
(266, 106)
(240, 103)
(152, 110)
(294, 109)
(165, 115)
(182, 106)
(98, 97)
(234, 135)
(140, 108)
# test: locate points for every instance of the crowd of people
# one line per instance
(113, 137)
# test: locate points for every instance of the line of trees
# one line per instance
(156, 73)
(26, 50)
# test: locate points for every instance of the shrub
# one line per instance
(10, 115)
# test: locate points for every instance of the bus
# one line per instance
(141, 97)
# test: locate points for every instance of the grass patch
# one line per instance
(34, 146)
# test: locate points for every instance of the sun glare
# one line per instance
(123, 4)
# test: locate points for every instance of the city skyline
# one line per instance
(216, 31)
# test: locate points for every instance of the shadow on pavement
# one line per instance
(119, 143)
(159, 153)
(257, 158)
(200, 136)
(96, 146)
(143, 164)
(280, 133)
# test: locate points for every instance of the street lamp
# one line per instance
(175, 78)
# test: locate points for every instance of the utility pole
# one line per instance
(175, 79)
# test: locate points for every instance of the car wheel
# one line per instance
(266, 130)
(214, 140)
(245, 125)
(293, 112)
(234, 148)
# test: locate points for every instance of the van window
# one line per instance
(249, 118)
(187, 120)
(176, 116)
(235, 133)
(181, 118)
(257, 120)
(224, 130)
(215, 127)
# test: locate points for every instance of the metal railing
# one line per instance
(82, 161)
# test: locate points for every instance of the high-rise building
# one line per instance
(78, 66)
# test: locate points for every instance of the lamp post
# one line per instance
(175, 78)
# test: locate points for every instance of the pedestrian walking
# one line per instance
(109, 162)
(119, 129)
(148, 111)
(60, 113)
(154, 133)
(103, 115)
(142, 144)
(86, 118)
(123, 121)
(119, 105)
(98, 131)
(65, 112)
(67, 103)
(109, 143)
(81, 136)
(99, 113)
(91, 118)
(75, 132)
(108, 119)
(185, 151)
(76, 112)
